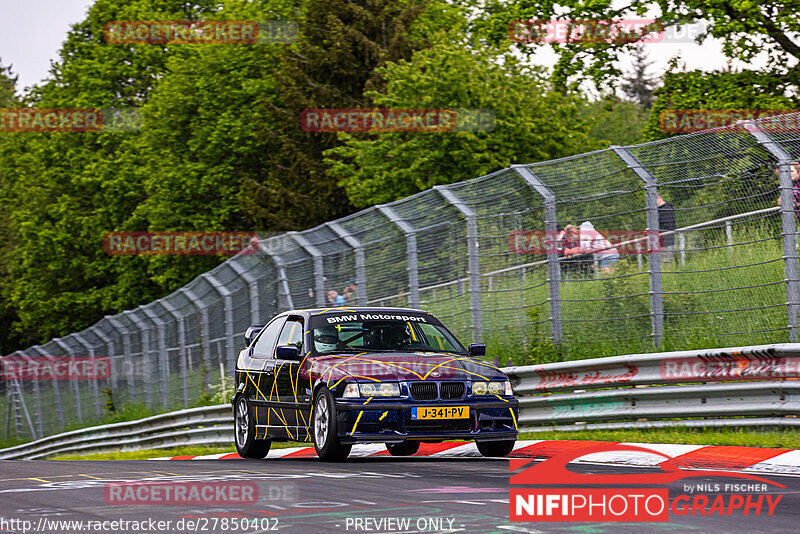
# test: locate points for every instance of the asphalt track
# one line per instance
(304, 495)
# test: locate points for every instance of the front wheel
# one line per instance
(245, 431)
(495, 448)
(326, 431)
(405, 448)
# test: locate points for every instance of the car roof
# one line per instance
(350, 309)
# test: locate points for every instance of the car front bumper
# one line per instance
(390, 421)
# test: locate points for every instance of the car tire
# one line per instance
(405, 448)
(495, 448)
(326, 432)
(245, 432)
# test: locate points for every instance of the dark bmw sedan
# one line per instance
(341, 376)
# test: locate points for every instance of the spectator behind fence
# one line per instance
(666, 223)
(795, 170)
(349, 291)
(335, 300)
(590, 241)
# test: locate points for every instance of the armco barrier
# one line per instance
(212, 425)
(739, 386)
(730, 387)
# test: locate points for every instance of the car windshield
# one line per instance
(384, 336)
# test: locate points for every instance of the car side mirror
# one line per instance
(287, 352)
(476, 349)
(251, 332)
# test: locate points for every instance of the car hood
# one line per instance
(402, 366)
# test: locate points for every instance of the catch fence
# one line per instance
(725, 274)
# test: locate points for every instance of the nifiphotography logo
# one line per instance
(572, 501)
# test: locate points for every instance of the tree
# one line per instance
(614, 121)
(718, 90)
(638, 86)
(8, 84)
(532, 124)
(220, 148)
(64, 191)
(8, 340)
(746, 29)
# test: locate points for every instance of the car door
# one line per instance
(293, 398)
(261, 378)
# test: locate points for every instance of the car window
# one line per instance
(266, 341)
(436, 338)
(292, 334)
(383, 335)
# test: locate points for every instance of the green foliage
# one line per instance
(532, 124)
(220, 393)
(537, 346)
(718, 90)
(220, 148)
(740, 437)
(614, 121)
(8, 82)
(746, 29)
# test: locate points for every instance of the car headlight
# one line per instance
(491, 388)
(479, 388)
(496, 388)
(350, 391)
(509, 391)
(387, 389)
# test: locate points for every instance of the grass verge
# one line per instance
(161, 453)
(782, 439)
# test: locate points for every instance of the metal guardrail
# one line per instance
(730, 387)
(739, 386)
(211, 425)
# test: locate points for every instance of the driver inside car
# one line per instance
(326, 339)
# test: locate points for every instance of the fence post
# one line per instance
(126, 353)
(205, 346)
(788, 221)
(227, 303)
(111, 350)
(358, 250)
(56, 393)
(144, 329)
(283, 281)
(411, 253)
(551, 229)
(181, 348)
(161, 327)
(473, 265)
(95, 388)
(316, 255)
(252, 285)
(654, 259)
(682, 247)
(37, 424)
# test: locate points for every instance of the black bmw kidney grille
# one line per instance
(423, 390)
(452, 390)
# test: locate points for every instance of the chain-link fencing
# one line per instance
(497, 260)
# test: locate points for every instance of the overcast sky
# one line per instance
(32, 31)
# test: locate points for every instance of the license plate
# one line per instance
(443, 412)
